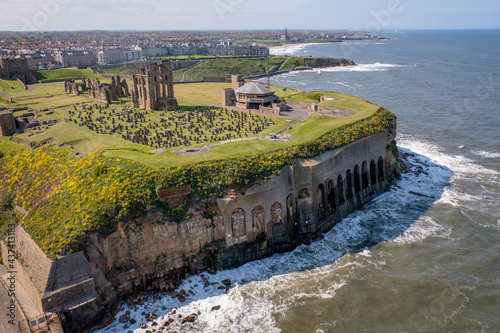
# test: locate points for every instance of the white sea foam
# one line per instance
(340, 83)
(375, 67)
(420, 230)
(485, 154)
(457, 198)
(460, 165)
(289, 50)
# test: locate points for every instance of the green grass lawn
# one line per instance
(123, 70)
(206, 92)
(229, 67)
(45, 95)
(64, 73)
(302, 62)
(360, 106)
(8, 148)
(87, 141)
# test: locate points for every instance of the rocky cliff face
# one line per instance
(151, 252)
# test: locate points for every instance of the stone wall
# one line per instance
(220, 79)
(33, 267)
(64, 285)
(7, 123)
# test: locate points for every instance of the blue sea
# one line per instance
(424, 256)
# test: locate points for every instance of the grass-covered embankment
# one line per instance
(304, 62)
(64, 73)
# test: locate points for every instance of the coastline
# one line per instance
(302, 44)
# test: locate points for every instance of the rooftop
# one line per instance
(254, 88)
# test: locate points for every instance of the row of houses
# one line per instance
(39, 61)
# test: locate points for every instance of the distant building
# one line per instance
(253, 95)
(134, 54)
(76, 58)
(110, 56)
(15, 69)
(118, 55)
(285, 36)
(37, 61)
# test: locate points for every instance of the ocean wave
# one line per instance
(420, 230)
(288, 50)
(485, 154)
(457, 198)
(375, 67)
(340, 83)
(460, 165)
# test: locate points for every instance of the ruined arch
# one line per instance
(258, 220)
(357, 180)
(373, 173)
(365, 176)
(276, 213)
(304, 193)
(320, 197)
(331, 197)
(238, 223)
(290, 209)
(349, 184)
(340, 189)
(381, 173)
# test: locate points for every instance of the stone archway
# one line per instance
(290, 209)
(365, 177)
(357, 180)
(320, 198)
(331, 197)
(238, 223)
(276, 213)
(381, 173)
(373, 173)
(258, 220)
(340, 188)
(304, 194)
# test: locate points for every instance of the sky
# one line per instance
(359, 15)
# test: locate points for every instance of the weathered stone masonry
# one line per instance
(306, 200)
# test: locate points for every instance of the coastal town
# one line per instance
(52, 50)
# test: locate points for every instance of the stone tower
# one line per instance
(153, 87)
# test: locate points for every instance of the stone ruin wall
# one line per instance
(101, 92)
(7, 123)
(153, 87)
